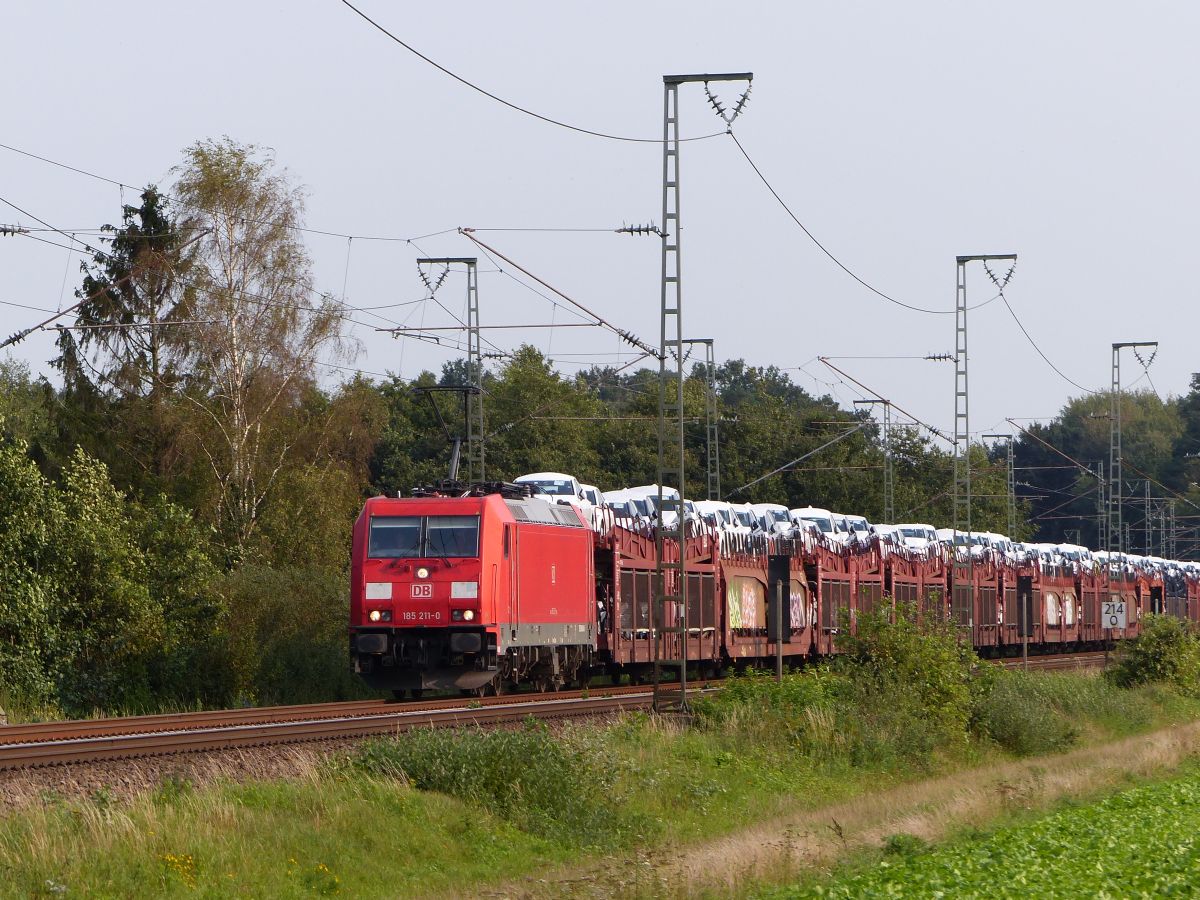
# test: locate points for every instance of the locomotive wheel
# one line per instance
(493, 688)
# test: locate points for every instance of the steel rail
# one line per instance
(224, 737)
(33, 732)
(1050, 662)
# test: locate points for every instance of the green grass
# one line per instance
(1028, 713)
(367, 837)
(1144, 842)
(442, 812)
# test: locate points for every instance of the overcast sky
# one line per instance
(902, 135)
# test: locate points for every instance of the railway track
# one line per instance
(56, 743)
(93, 740)
(1058, 661)
(37, 732)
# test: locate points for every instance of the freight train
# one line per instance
(489, 587)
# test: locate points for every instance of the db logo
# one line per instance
(422, 591)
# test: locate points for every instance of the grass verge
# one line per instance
(906, 728)
(584, 806)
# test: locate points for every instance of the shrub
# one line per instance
(900, 692)
(287, 628)
(914, 676)
(1168, 652)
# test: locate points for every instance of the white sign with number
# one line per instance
(1113, 614)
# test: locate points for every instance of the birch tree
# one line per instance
(265, 325)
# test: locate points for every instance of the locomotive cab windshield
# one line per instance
(403, 537)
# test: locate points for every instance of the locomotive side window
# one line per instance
(452, 536)
(395, 537)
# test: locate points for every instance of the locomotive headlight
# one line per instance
(422, 572)
(374, 615)
(468, 615)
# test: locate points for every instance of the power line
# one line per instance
(841, 265)
(822, 246)
(553, 230)
(263, 300)
(1033, 344)
(627, 336)
(789, 465)
(27, 306)
(508, 103)
(123, 185)
(930, 428)
(554, 303)
(254, 298)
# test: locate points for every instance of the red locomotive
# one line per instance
(465, 592)
(491, 587)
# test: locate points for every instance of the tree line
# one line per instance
(176, 505)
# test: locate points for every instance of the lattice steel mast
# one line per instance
(670, 631)
(962, 421)
(1117, 539)
(475, 421)
(889, 484)
(1010, 480)
(712, 436)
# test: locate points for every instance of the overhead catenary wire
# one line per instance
(163, 324)
(1053, 449)
(513, 106)
(1175, 494)
(398, 239)
(553, 230)
(1035, 346)
(926, 426)
(256, 299)
(249, 295)
(820, 246)
(44, 309)
(889, 298)
(798, 459)
(25, 332)
(253, 297)
(260, 299)
(554, 303)
(628, 336)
